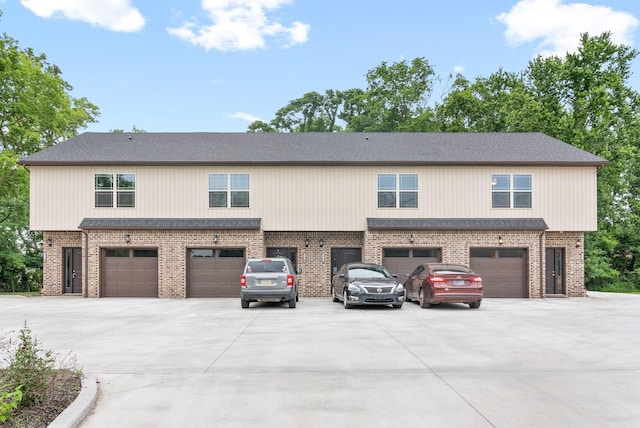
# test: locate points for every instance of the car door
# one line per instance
(412, 285)
(338, 282)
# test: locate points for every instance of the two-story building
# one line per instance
(177, 214)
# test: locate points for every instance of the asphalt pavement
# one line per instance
(557, 362)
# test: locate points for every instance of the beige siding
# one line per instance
(313, 198)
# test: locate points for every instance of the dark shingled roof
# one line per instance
(210, 148)
(458, 223)
(170, 223)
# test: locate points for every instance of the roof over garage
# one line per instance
(209, 148)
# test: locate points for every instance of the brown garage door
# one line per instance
(128, 272)
(405, 260)
(503, 271)
(214, 272)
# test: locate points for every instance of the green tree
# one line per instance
(585, 100)
(36, 112)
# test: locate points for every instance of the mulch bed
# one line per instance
(63, 389)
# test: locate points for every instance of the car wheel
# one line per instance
(297, 298)
(474, 305)
(423, 300)
(292, 303)
(333, 295)
(345, 300)
(244, 303)
(398, 306)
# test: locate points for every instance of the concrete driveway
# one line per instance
(208, 363)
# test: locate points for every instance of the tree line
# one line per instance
(584, 99)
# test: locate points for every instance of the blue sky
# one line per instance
(217, 65)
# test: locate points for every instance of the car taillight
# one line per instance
(289, 280)
(437, 279)
(243, 281)
(477, 279)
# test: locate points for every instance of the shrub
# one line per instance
(30, 368)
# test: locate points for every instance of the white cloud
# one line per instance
(240, 25)
(458, 69)
(115, 15)
(245, 116)
(558, 24)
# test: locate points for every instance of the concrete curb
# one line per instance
(73, 415)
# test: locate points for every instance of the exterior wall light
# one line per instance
(411, 238)
(127, 238)
(50, 242)
(500, 241)
(306, 242)
(215, 239)
(578, 243)
(321, 243)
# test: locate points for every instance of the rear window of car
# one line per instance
(450, 269)
(259, 266)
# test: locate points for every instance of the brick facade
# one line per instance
(314, 260)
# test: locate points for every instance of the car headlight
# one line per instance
(352, 287)
(399, 287)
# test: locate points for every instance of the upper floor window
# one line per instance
(511, 190)
(397, 190)
(228, 190)
(115, 188)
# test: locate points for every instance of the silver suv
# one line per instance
(269, 280)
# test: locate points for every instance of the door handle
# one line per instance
(73, 274)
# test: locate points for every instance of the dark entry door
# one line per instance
(72, 270)
(340, 256)
(555, 271)
(288, 252)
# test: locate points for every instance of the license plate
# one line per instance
(266, 282)
(458, 282)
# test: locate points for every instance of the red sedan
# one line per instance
(434, 283)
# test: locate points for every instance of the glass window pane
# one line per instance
(145, 253)
(126, 199)
(104, 199)
(522, 182)
(104, 181)
(217, 181)
(240, 199)
(237, 252)
(408, 199)
(500, 182)
(117, 253)
(395, 252)
(522, 200)
(126, 181)
(428, 252)
(386, 199)
(202, 252)
(218, 199)
(501, 200)
(408, 181)
(386, 182)
(239, 181)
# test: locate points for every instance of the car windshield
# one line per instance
(450, 269)
(368, 272)
(258, 266)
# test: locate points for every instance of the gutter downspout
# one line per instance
(85, 263)
(542, 271)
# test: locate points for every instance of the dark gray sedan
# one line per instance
(366, 284)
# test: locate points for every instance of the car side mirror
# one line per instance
(341, 276)
(298, 271)
(394, 275)
(407, 275)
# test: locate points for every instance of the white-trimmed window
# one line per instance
(117, 190)
(228, 190)
(511, 191)
(397, 190)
